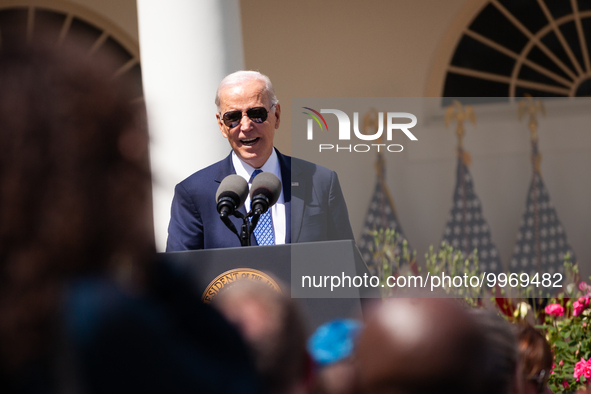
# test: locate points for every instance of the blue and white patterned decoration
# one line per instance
(466, 227)
(263, 232)
(381, 214)
(541, 240)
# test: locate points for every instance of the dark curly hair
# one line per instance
(75, 193)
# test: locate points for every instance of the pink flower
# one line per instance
(582, 368)
(579, 306)
(554, 310)
(561, 363)
(583, 286)
(565, 384)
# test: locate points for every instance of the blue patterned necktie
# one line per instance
(263, 232)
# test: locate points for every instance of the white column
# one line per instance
(187, 47)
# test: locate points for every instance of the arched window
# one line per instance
(17, 27)
(513, 47)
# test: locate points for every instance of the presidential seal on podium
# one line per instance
(231, 277)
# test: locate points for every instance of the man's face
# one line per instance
(251, 141)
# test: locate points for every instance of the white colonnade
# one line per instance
(187, 47)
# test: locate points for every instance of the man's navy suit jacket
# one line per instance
(315, 208)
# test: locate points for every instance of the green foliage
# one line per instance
(392, 259)
(390, 256)
(569, 334)
(450, 262)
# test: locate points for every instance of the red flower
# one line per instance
(554, 310)
(565, 384)
(579, 306)
(582, 368)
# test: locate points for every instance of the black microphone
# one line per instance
(231, 195)
(264, 192)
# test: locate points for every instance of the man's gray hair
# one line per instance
(242, 76)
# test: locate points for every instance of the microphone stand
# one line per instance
(260, 204)
(246, 228)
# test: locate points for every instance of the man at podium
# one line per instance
(311, 206)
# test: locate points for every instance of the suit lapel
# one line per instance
(297, 202)
(227, 168)
(285, 163)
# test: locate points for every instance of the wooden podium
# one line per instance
(292, 264)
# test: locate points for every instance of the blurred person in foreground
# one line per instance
(535, 358)
(499, 369)
(84, 305)
(331, 347)
(416, 346)
(274, 328)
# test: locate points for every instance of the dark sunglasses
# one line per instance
(256, 114)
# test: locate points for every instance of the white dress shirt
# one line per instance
(277, 210)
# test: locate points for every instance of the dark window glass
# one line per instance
(520, 92)
(584, 89)
(586, 24)
(13, 27)
(463, 86)
(584, 5)
(475, 55)
(537, 56)
(48, 25)
(529, 74)
(554, 45)
(571, 35)
(86, 34)
(492, 24)
(114, 51)
(558, 8)
(528, 12)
